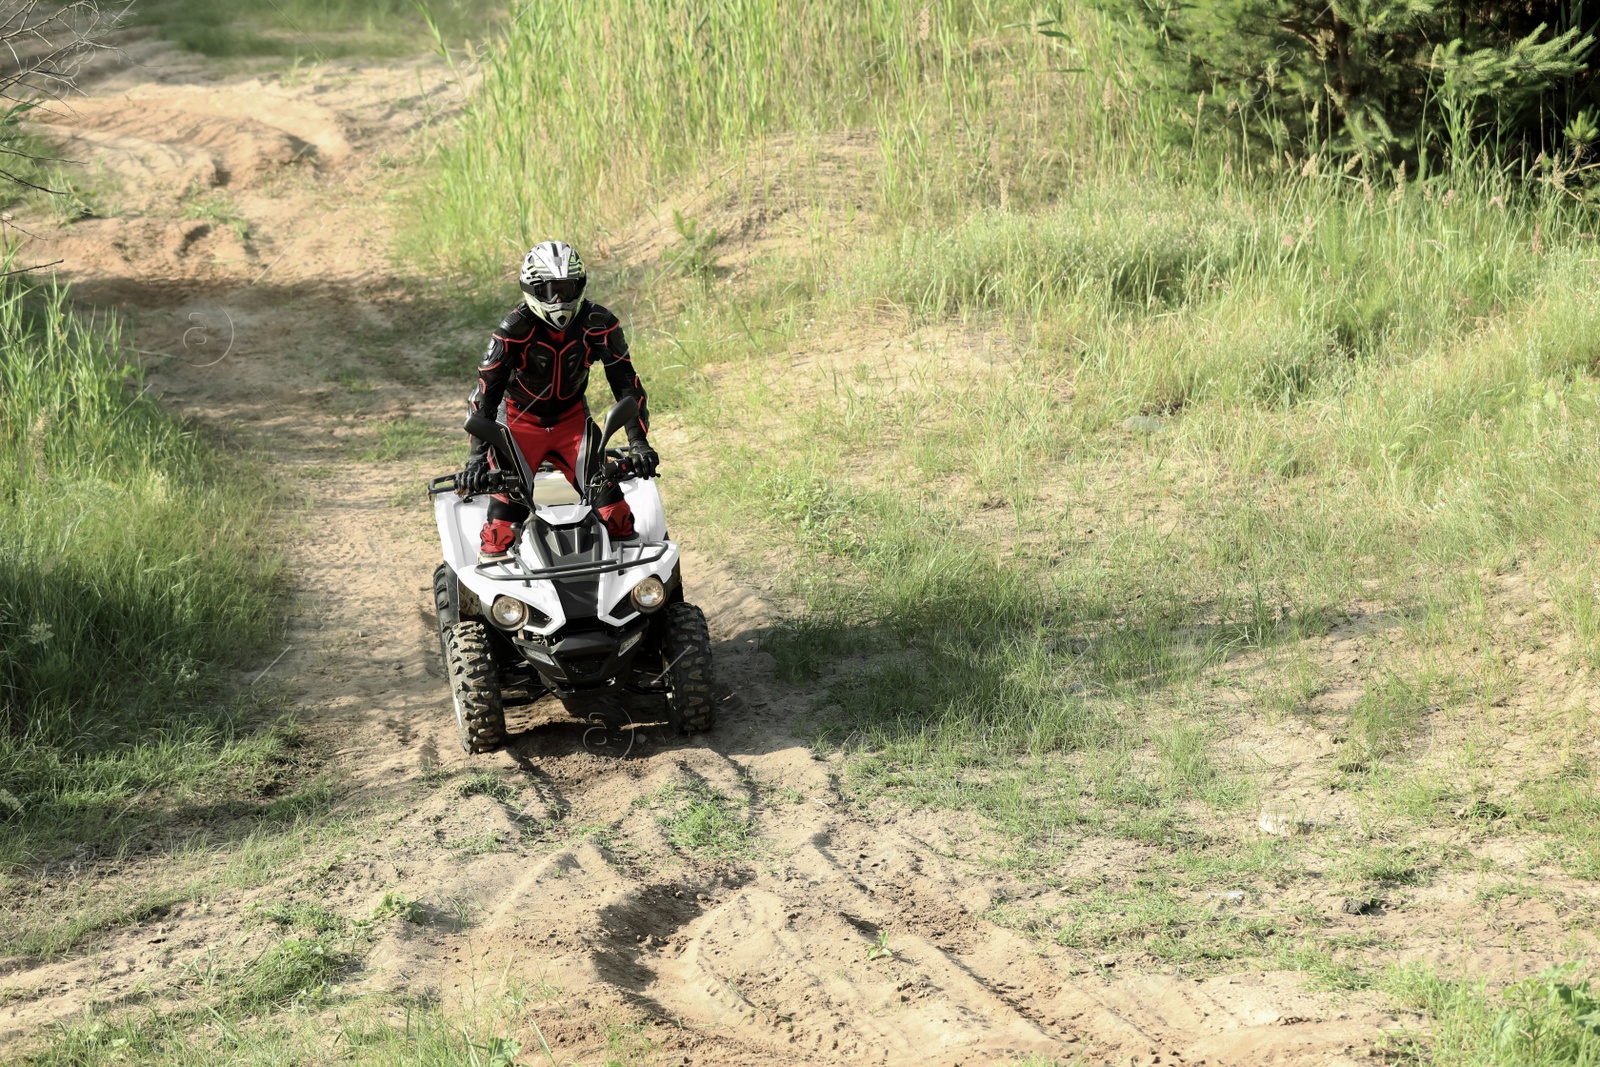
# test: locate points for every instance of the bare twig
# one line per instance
(47, 44)
(17, 179)
(43, 47)
(36, 266)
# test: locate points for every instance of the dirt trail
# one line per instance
(565, 882)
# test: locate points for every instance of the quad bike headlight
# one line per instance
(508, 612)
(649, 594)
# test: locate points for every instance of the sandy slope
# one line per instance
(572, 888)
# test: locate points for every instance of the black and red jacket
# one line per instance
(542, 372)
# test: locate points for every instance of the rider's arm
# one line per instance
(494, 372)
(607, 343)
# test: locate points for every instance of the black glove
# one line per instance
(476, 478)
(643, 460)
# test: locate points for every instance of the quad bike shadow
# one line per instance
(608, 727)
(570, 612)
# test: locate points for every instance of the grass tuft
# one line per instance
(402, 439)
(701, 821)
(303, 915)
(488, 784)
(291, 970)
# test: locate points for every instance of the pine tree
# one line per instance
(1390, 80)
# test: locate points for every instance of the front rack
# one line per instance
(567, 570)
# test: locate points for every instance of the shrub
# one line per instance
(1389, 80)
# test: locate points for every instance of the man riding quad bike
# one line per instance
(572, 587)
(538, 363)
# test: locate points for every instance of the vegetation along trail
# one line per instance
(1218, 865)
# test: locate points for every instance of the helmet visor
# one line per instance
(555, 290)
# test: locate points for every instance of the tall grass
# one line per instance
(314, 30)
(135, 571)
(1402, 387)
(586, 112)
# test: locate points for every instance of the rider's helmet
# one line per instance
(552, 282)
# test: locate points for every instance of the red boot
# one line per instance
(618, 518)
(494, 543)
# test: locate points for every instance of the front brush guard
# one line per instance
(568, 570)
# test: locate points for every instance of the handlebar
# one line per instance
(619, 465)
(617, 468)
(452, 483)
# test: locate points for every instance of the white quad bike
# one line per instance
(570, 613)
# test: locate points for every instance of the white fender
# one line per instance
(649, 517)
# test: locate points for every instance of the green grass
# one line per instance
(54, 935)
(404, 438)
(66, 192)
(290, 970)
(398, 906)
(217, 209)
(700, 821)
(628, 1044)
(488, 784)
(245, 845)
(1296, 473)
(1387, 867)
(1091, 450)
(314, 30)
(1550, 1020)
(427, 1037)
(274, 1013)
(128, 595)
(307, 915)
(670, 86)
(269, 1004)
(1325, 968)
(1150, 919)
(1202, 907)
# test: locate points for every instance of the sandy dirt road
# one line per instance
(277, 315)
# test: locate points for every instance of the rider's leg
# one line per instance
(615, 512)
(563, 441)
(558, 443)
(495, 539)
(531, 438)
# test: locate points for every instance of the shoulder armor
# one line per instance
(516, 320)
(598, 317)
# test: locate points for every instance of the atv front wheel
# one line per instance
(686, 652)
(475, 687)
(445, 609)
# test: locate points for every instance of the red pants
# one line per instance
(559, 443)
